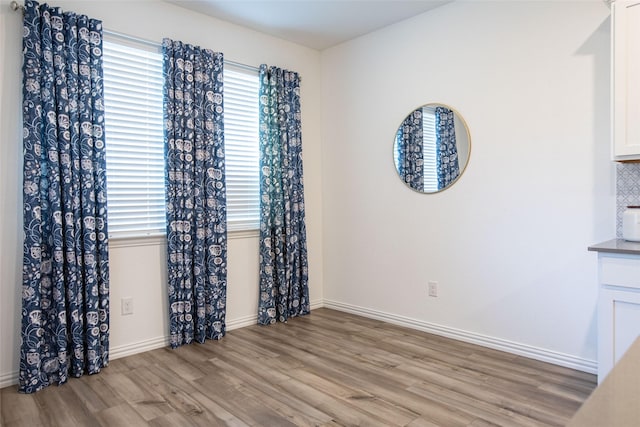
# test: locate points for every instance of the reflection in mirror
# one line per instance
(431, 148)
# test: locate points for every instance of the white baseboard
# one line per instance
(138, 347)
(590, 366)
(8, 379)
(556, 358)
(317, 304)
(253, 319)
(242, 322)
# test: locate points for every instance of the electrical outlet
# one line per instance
(126, 306)
(433, 288)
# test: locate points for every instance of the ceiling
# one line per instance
(317, 24)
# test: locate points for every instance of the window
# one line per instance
(242, 156)
(133, 91)
(429, 150)
(133, 85)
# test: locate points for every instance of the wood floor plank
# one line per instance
(186, 364)
(392, 391)
(335, 353)
(92, 400)
(327, 369)
(105, 396)
(60, 405)
(469, 382)
(236, 401)
(270, 395)
(121, 415)
(214, 415)
(342, 411)
(421, 422)
(181, 396)
(359, 398)
(19, 409)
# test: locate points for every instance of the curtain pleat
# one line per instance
(284, 270)
(65, 293)
(409, 144)
(446, 148)
(195, 193)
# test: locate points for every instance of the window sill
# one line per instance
(132, 241)
(243, 234)
(161, 239)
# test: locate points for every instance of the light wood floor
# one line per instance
(325, 369)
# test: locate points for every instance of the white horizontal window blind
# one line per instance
(133, 91)
(133, 86)
(429, 152)
(242, 156)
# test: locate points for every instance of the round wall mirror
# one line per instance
(431, 148)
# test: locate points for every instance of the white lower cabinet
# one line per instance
(618, 308)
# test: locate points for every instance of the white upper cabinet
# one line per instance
(626, 79)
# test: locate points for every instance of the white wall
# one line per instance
(139, 271)
(508, 242)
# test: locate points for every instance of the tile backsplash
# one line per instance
(627, 190)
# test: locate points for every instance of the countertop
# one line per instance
(615, 402)
(617, 246)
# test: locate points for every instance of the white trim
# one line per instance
(127, 242)
(243, 234)
(253, 319)
(317, 304)
(242, 322)
(161, 239)
(138, 347)
(545, 355)
(9, 379)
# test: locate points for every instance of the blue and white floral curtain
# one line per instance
(446, 148)
(195, 193)
(65, 290)
(409, 146)
(284, 270)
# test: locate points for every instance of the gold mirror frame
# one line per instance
(432, 182)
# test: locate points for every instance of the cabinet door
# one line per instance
(619, 324)
(626, 79)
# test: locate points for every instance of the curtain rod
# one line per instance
(15, 6)
(156, 44)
